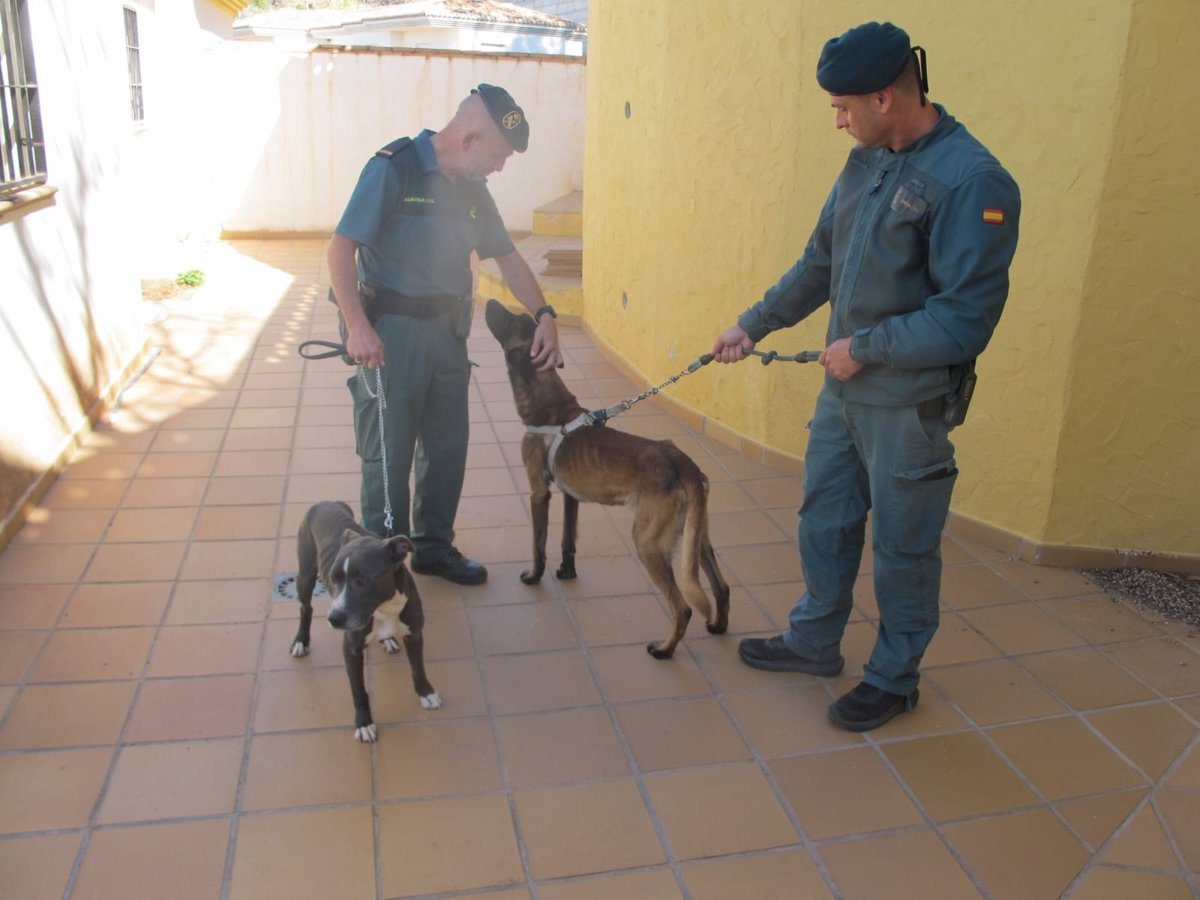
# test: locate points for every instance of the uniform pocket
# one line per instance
(366, 420)
(922, 502)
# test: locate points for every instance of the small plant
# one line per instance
(190, 278)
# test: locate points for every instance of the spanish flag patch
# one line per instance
(993, 216)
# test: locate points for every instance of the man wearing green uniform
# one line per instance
(400, 266)
(912, 252)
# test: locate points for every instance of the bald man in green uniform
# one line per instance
(400, 266)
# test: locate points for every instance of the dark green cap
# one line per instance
(866, 59)
(509, 117)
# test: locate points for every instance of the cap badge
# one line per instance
(511, 120)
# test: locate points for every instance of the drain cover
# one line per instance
(285, 587)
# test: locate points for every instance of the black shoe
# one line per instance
(774, 655)
(868, 707)
(453, 567)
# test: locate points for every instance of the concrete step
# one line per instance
(560, 218)
(563, 293)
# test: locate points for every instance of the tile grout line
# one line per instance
(627, 749)
(975, 879)
(776, 788)
(118, 745)
(1168, 833)
(248, 732)
(1145, 801)
(1096, 733)
(505, 781)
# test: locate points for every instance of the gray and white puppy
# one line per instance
(366, 578)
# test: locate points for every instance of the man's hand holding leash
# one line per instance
(838, 362)
(733, 345)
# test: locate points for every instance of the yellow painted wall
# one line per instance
(698, 200)
(1128, 470)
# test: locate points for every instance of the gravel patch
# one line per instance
(1177, 597)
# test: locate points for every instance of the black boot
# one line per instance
(453, 567)
(774, 655)
(868, 707)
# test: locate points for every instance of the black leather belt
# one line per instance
(380, 301)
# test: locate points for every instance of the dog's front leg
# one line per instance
(353, 645)
(306, 583)
(413, 617)
(540, 508)
(570, 528)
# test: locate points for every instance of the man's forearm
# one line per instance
(343, 275)
(521, 281)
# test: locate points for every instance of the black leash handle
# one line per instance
(334, 349)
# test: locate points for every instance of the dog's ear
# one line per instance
(498, 319)
(348, 535)
(399, 547)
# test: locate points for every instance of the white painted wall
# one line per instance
(282, 136)
(70, 302)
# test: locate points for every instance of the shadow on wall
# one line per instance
(64, 355)
(67, 375)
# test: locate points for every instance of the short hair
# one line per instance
(909, 79)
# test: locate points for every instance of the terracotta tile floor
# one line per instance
(157, 739)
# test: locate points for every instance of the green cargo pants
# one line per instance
(426, 377)
(890, 460)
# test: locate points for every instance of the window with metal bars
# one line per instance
(22, 151)
(133, 57)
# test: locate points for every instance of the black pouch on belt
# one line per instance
(460, 323)
(958, 401)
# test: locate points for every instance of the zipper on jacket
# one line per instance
(862, 216)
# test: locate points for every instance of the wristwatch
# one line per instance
(547, 309)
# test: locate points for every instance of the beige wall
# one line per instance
(700, 198)
(272, 140)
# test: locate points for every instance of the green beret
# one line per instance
(865, 59)
(509, 117)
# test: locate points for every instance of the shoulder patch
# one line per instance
(993, 216)
(394, 147)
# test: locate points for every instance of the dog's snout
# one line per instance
(337, 618)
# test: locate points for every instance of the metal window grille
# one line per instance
(133, 56)
(22, 151)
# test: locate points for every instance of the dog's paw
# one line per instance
(365, 734)
(716, 627)
(655, 650)
(391, 645)
(531, 576)
(431, 701)
(565, 572)
(299, 649)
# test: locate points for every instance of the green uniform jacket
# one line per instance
(912, 252)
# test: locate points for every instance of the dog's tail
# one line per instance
(695, 531)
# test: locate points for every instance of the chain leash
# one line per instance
(380, 405)
(603, 415)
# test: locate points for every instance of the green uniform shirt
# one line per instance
(416, 228)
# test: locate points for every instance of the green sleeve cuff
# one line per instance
(752, 323)
(861, 349)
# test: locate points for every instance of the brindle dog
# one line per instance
(598, 464)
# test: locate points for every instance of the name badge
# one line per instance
(908, 204)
